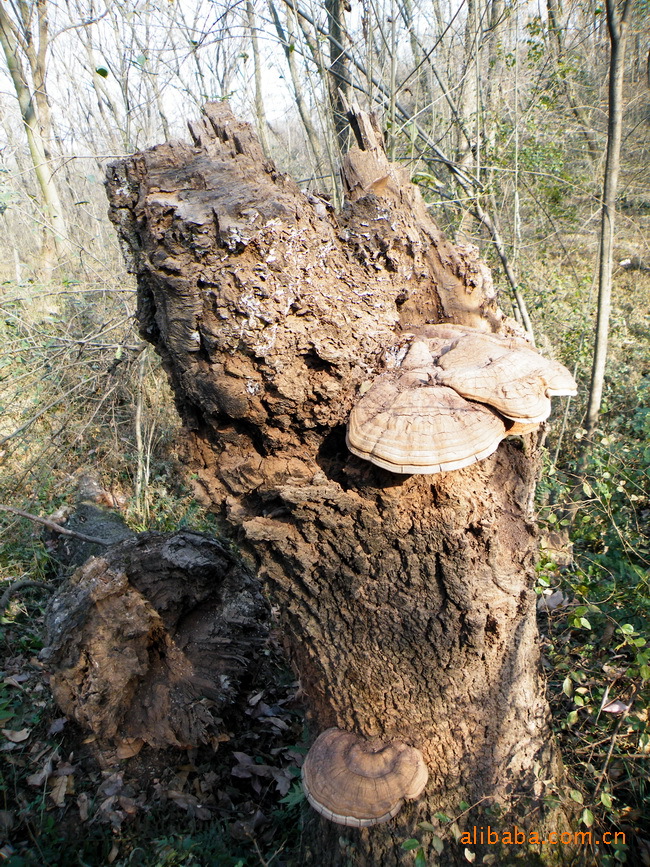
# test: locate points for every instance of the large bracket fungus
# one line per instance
(359, 782)
(457, 393)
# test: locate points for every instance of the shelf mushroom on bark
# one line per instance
(457, 393)
(361, 782)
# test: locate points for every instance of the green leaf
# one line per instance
(644, 671)
(294, 796)
(576, 796)
(464, 805)
(567, 687)
(585, 623)
(420, 859)
(409, 845)
(587, 817)
(441, 817)
(437, 844)
(101, 70)
(572, 717)
(606, 800)
(427, 826)
(627, 629)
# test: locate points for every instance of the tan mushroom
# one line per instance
(456, 395)
(358, 782)
(503, 372)
(407, 426)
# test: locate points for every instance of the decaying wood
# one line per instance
(148, 642)
(407, 600)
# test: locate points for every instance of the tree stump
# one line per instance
(407, 600)
(148, 643)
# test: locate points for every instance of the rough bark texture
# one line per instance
(407, 600)
(147, 643)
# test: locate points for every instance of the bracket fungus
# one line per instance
(358, 782)
(457, 393)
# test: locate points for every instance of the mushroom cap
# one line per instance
(359, 782)
(405, 425)
(458, 392)
(504, 373)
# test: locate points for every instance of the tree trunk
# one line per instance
(339, 79)
(617, 17)
(407, 601)
(140, 636)
(36, 128)
(260, 112)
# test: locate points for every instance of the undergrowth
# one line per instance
(595, 622)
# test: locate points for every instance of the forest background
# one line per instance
(502, 114)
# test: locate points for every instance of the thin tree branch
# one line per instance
(57, 528)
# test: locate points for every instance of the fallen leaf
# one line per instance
(16, 679)
(82, 803)
(39, 778)
(277, 722)
(129, 747)
(7, 821)
(57, 726)
(16, 737)
(64, 769)
(128, 805)
(550, 603)
(59, 790)
(111, 786)
(615, 706)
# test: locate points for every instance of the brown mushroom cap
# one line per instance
(458, 392)
(359, 782)
(504, 373)
(405, 425)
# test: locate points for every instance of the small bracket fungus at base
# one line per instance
(358, 782)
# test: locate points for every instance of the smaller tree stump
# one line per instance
(148, 643)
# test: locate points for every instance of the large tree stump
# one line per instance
(408, 600)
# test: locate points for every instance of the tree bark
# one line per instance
(407, 601)
(148, 642)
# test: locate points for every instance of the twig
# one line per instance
(19, 585)
(612, 744)
(56, 527)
